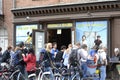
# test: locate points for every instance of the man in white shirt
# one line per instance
(103, 60)
(82, 57)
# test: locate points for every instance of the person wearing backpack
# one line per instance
(73, 59)
(102, 61)
(83, 56)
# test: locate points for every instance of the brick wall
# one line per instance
(8, 18)
(33, 3)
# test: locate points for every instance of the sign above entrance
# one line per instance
(62, 25)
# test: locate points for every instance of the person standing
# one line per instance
(98, 42)
(0, 54)
(66, 56)
(103, 62)
(48, 60)
(30, 61)
(6, 57)
(54, 50)
(58, 58)
(116, 54)
(82, 57)
(21, 64)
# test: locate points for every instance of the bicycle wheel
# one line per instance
(3, 78)
(45, 76)
(32, 76)
(39, 75)
(20, 76)
(57, 77)
(76, 77)
(13, 77)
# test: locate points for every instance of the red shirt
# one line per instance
(30, 60)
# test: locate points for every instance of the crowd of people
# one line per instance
(98, 54)
(25, 59)
(22, 58)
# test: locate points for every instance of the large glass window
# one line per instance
(91, 29)
(3, 39)
(24, 34)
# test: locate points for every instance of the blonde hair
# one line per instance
(48, 47)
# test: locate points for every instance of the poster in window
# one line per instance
(24, 33)
(91, 29)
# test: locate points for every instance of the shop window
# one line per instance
(3, 39)
(91, 29)
(26, 35)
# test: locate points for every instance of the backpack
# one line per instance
(73, 60)
(6, 57)
(101, 62)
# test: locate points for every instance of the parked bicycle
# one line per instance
(11, 73)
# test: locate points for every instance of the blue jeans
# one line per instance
(51, 73)
(102, 72)
(84, 68)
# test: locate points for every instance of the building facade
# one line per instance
(6, 25)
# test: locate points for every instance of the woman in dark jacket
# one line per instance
(48, 62)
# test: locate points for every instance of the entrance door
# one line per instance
(62, 38)
(38, 41)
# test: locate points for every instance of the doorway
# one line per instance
(63, 37)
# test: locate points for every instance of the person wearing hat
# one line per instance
(98, 42)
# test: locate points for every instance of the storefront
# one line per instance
(67, 23)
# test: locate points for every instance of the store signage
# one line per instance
(39, 43)
(62, 25)
(59, 31)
